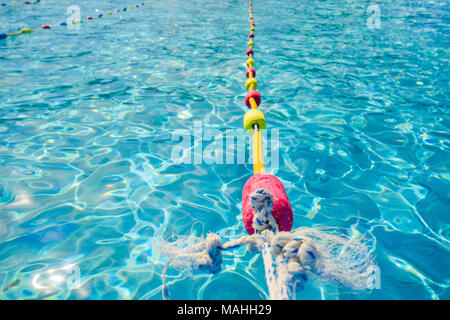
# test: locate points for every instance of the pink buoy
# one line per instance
(281, 210)
(89, 18)
(46, 26)
(249, 51)
(251, 35)
(252, 70)
(252, 94)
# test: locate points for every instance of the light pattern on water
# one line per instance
(86, 118)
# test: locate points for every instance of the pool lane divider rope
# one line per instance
(76, 21)
(19, 2)
(289, 257)
(266, 209)
(254, 122)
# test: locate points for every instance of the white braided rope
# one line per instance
(262, 202)
(266, 226)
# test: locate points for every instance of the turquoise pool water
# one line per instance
(87, 118)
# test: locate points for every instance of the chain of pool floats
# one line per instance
(76, 21)
(254, 120)
(19, 2)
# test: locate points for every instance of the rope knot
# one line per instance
(262, 203)
(300, 251)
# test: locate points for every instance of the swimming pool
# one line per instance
(88, 117)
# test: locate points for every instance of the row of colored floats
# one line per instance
(20, 2)
(254, 122)
(76, 21)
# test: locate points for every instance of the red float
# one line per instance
(281, 210)
(252, 94)
(252, 70)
